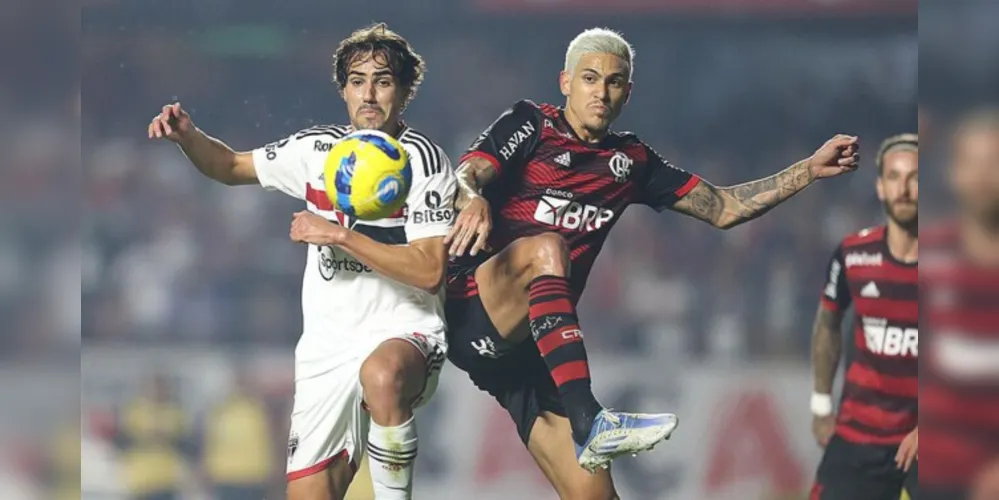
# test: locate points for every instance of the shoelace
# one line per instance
(614, 419)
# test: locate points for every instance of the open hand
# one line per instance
(471, 227)
(908, 450)
(172, 122)
(838, 155)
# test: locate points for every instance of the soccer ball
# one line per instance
(367, 175)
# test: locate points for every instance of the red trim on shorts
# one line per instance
(319, 467)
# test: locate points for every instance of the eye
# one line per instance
(385, 82)
(589, 78)
(357, 82)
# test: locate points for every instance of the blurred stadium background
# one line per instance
(190, 291)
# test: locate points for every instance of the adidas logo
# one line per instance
(870, 291)
(564, 159)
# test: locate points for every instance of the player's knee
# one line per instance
(383, 379)
(551, 254)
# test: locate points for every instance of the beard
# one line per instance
(909, 221)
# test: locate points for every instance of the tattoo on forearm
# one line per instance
(753, 199)
(473, 174)
(826, 346)
(727, 207)
(704, 202)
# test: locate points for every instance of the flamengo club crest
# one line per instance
(620, 166)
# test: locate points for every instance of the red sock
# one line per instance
(556, 331)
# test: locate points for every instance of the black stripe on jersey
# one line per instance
(430, 153)
(872, 397)
(337, 131)
(387, 235)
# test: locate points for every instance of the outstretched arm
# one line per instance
(727, 207)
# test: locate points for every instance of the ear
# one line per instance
(564, 79)
(879, 186)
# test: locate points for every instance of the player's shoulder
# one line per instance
(526, 108)
(863, 237)
(426, 157)
(331, 132)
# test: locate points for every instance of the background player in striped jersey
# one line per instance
(959, 296)
(555, 181)
(870, 446)
(373, 340)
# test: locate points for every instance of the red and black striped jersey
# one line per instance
(959, 381)
(550, 181)
(879, 404)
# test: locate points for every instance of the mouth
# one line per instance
(370, 112)
(599, 108)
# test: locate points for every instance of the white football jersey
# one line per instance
(342, 298)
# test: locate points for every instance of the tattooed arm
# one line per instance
(473, 174)
(826, 347)
(730, 206)
(727, 207)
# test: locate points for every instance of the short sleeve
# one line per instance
(836, 293)
(665, 184)
(280, 166)
(511, 139)
(431, 198)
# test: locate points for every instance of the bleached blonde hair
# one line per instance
(599, 40)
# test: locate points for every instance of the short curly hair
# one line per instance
(406, 65)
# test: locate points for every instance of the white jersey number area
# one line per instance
(341, 296)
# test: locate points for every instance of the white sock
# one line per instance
(391, 455)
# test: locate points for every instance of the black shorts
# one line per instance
(514, 374)
(850, 471)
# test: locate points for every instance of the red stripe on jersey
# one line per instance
(903, 311)
(982, 411)
(971, 323)
(318, 198)
(480, 154)
(865, 376)
(573, 370)
(878, 417)
(690, 185)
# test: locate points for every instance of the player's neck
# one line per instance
(903, 243)
(393, 128)
(582, 133)
(980, 241)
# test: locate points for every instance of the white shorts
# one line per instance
(328, 421)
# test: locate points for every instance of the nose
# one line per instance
(369, 93)
(601, 92)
